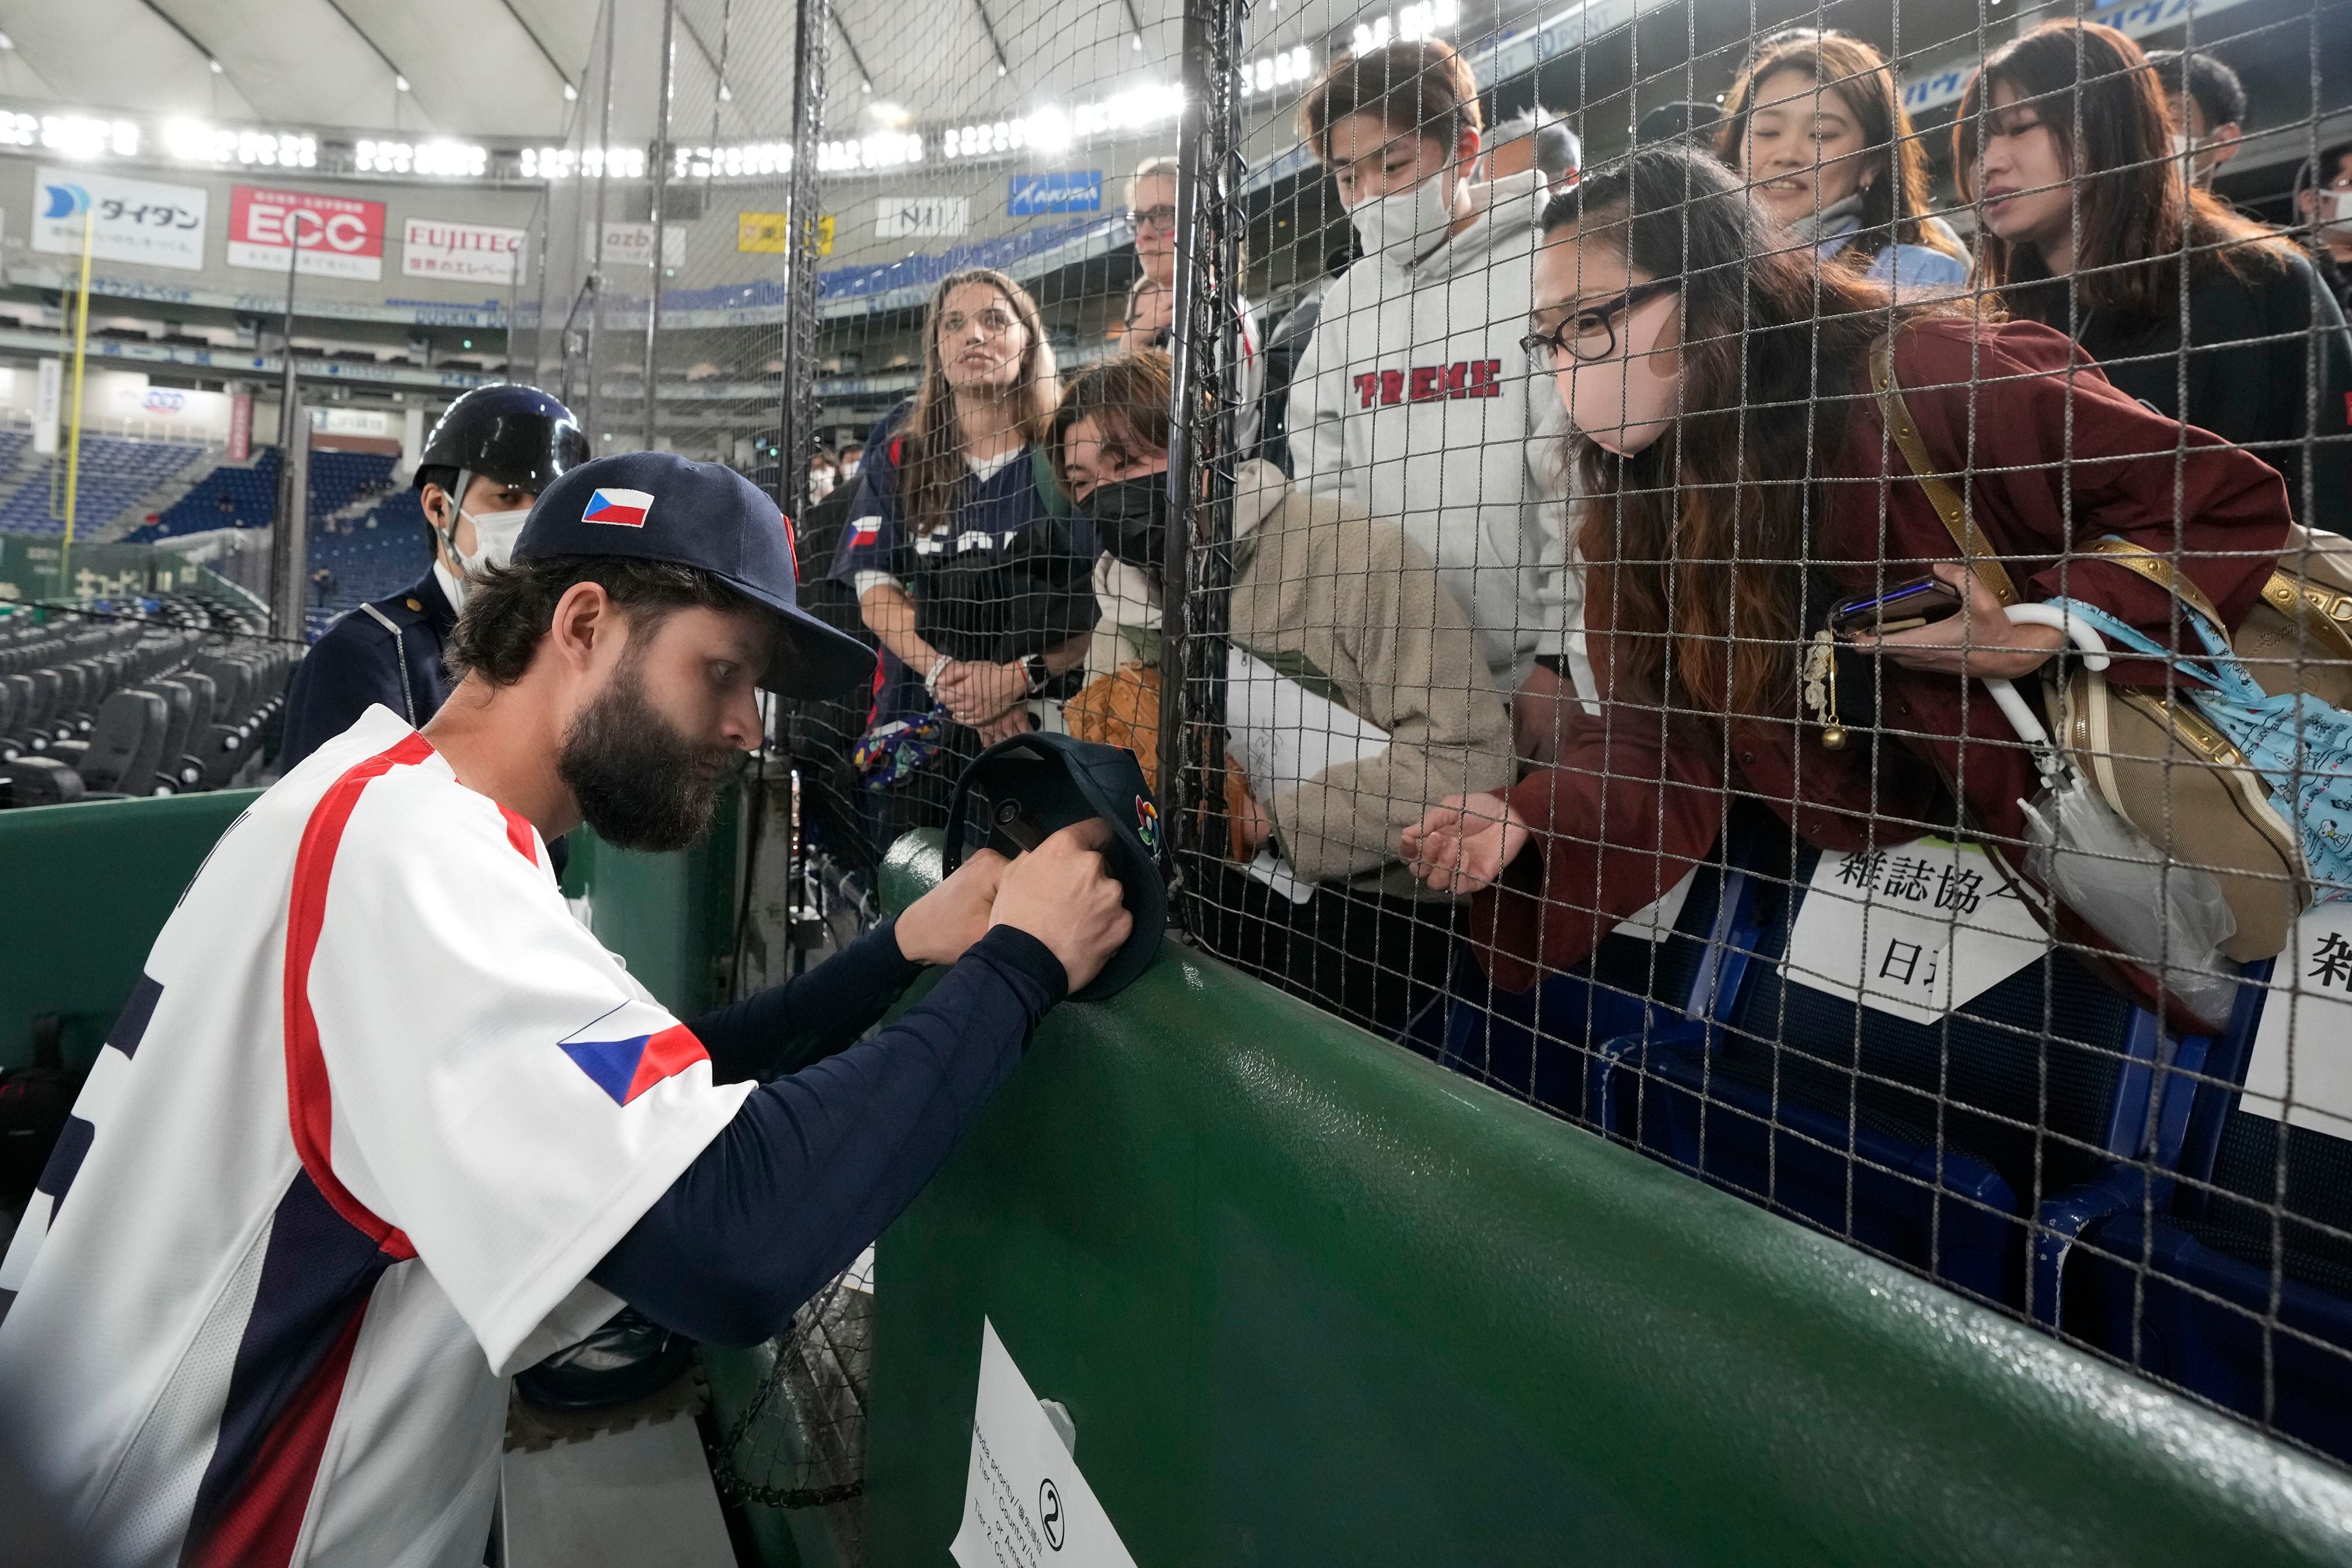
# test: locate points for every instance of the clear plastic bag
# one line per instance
(2170, 917)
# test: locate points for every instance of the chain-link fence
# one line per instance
(1764, 579)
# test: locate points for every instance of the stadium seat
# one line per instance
(2183, 1288)
(123, 748)
(1944, 1147)
(1533, 1044)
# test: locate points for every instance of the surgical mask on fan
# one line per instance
(2335, 209)
(1408, 225)
(1626, 401)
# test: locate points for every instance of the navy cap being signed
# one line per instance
(657, 506)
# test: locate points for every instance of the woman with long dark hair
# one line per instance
(967, 564)
(1815, 123)
(2064, 143)
(1739, 479)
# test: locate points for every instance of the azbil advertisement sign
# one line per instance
(337, 236)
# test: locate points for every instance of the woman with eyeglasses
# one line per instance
(968, 566)
(1412, 399)
(2086, 223)
(1815, 123)
(1740, 479)
(1152, 302)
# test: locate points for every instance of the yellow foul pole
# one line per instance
(73, 451)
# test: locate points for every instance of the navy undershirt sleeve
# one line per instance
(809, 1017)
(814, 1166)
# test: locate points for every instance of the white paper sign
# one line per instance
(1282, 733)
(463, 252)
(1655, 921)
(910, 217)
(1915, 931)
(1024, 1502)
(129, 220)
(2307, 1023)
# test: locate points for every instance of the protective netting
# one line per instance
(1473, 454)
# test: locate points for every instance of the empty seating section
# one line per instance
(245, 496)
(97, 710)
(114, 474)
(2044, 1146)
(369, 564)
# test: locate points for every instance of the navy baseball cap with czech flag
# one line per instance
(657, 506)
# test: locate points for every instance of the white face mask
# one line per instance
(820, 484)
(1409, 224)
(2335, 209)
(849, 471)
(1624, 403)
(494, 541)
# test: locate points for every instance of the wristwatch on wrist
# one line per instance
(1034, 671)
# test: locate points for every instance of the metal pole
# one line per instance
(1205, 348)
(661, 190)
(286, 546)
(797, 406)
(596, 252)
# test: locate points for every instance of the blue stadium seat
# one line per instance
(2183, 1290)
(114, 474)
(1944, 1147)
(1535, 1044)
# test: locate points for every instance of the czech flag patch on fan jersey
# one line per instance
(625, 1069)
(621, 509)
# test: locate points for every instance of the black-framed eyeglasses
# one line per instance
(1159, 217)
(1590, 334)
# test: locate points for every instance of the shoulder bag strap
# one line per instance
(1950, 506)
(2159, 570)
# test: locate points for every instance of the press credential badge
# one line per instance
(1025, 1504)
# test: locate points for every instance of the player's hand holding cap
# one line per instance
(657, 506)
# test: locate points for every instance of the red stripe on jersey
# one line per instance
(308, 1097)
(519, 834)
(671, 1051)
(260, 1528)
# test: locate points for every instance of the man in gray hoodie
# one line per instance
(1414, 401)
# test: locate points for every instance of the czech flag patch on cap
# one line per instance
(621, 509)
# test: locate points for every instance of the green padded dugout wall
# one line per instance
(85, 888)
(1312, 1299)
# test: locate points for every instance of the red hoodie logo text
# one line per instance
(1427, 383)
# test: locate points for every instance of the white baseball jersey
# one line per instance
(377, 1106)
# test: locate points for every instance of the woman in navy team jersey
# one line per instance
(967, 563)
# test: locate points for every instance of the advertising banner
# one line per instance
(461, 253)
(48, 405)
(912, 218)
(129, 220)
(240, 427)
(1074, 191)
(632, 245)
(770, 234)
(337, 236)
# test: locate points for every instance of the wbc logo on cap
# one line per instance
(621, 509)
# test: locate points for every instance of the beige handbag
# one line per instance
(2157, 763)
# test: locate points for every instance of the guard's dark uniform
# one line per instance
(388, 651)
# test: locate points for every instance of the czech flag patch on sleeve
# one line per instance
(621, 509)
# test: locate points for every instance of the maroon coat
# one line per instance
(1639, 795)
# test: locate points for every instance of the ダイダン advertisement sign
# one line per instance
(334, 237)
(124, 220)
(462, 253)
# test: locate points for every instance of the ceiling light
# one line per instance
(865, 86)
(725, 93)
(1139, 41)
(570, 93)
(1000, 70)
(401, 83)
(215, 66)
(6, 42)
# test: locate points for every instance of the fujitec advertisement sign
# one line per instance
(326, 237)
(462, 253)
(127, 220)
